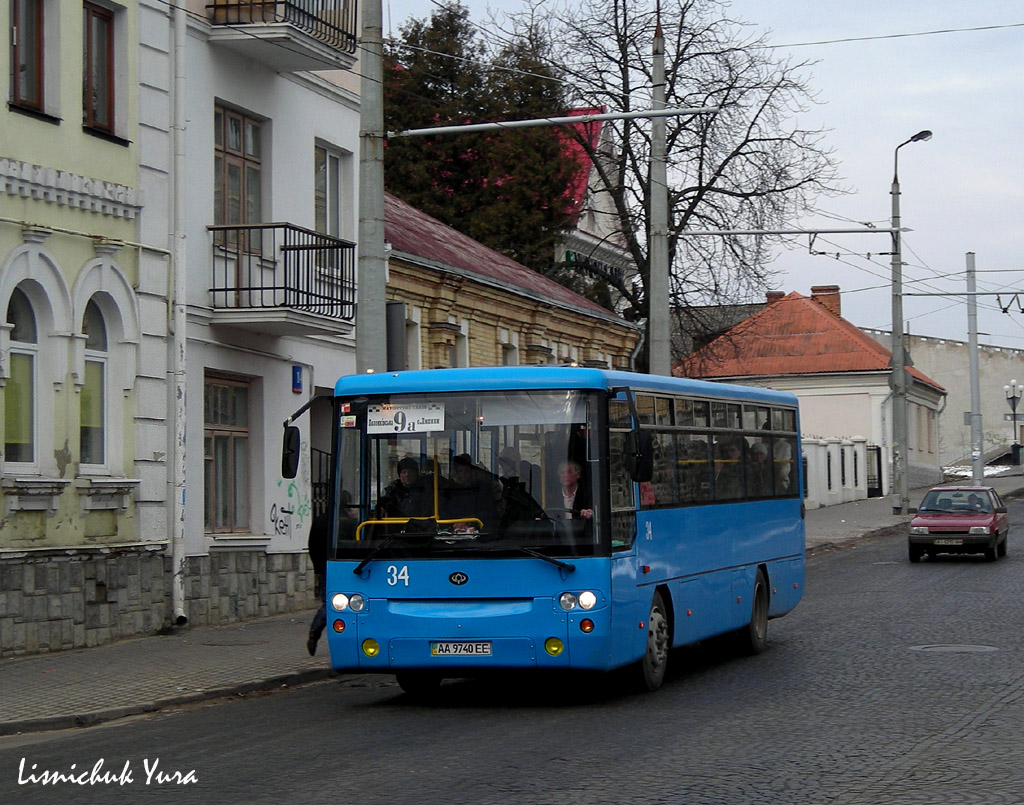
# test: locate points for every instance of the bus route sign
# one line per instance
(411, 418)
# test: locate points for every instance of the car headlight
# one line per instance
(919, 530)
(979, 529)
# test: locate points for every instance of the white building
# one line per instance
(841, 377)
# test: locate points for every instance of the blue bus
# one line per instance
(562, 518)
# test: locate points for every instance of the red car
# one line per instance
(959, 519)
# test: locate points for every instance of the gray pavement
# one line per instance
(88, 686)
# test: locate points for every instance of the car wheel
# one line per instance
(915, 552)
(1002, 545)
(992, 552)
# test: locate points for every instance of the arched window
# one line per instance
(19, 393)
(92, 430)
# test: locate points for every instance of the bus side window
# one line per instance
(623, 522)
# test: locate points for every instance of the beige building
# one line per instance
(467, 305)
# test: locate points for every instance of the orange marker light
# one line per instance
(339, 626)
(586, 625)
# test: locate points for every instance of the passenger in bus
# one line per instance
(728, 472)
(575, 496)
(515, 503)
(759, 473)
(471, 493)
(783, 460)
(406, 496)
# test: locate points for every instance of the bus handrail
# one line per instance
(406, 520)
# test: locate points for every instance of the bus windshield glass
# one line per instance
(484, 473)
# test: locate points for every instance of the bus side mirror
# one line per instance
(290, 452)
(639, 456)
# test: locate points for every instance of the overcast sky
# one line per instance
(885, 70)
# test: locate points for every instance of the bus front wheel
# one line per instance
(655, 659)
(754, 637)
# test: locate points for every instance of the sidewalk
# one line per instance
(87, 686)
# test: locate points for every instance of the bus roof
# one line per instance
(497, 378)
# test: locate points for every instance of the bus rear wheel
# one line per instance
(419, 683)
(754, 637)
(655, 659)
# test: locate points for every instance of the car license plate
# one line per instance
(440, 649)
(947, 542)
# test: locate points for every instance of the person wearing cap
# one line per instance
(403, 497)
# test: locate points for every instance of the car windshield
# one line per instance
(956, 501)
(504, 473)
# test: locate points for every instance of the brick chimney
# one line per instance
(774, 296)
(828, 297)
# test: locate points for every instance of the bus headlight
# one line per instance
(339, 602)
(357, 603)
(587, 599)
(567, 601)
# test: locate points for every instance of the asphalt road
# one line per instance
(890, 683)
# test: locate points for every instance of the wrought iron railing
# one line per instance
(333, 22)
(282, 266)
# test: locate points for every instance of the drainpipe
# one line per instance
(178, 320)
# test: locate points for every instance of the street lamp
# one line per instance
(898, 380)
(1013, 394)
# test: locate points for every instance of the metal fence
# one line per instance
(333, 22)
(282, 266)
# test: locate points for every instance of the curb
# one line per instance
(95, 717)
(894, 530)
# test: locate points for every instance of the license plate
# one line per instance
(947, 542)
(460, 649)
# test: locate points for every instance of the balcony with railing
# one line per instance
(288, 35)
(282, 279)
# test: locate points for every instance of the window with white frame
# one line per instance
(459, 353)
(226, 454)
(331, 169)
(20, 389)
(93, 395)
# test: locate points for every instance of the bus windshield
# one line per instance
(485, 473)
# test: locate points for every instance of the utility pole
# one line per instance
(371, 306)
(659, 353)
(977, 447)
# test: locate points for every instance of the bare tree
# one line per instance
(747, 166)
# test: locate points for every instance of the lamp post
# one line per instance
(1013, 395)
(898, 380)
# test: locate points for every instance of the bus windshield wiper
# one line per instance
(566, 566)
(370, 556)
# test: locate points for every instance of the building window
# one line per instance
(226, 454)
(27, 53)
(98, 69)
(92, 427)
(19, 392)
(327, 168)
(237, 168)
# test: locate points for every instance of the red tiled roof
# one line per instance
(795, 335)
(427, 241)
